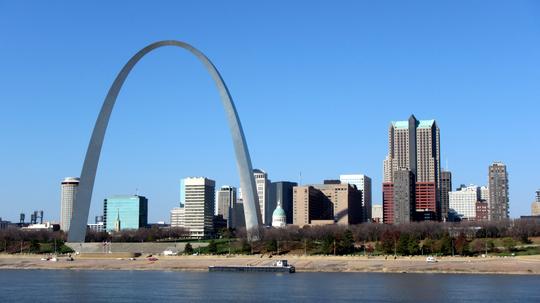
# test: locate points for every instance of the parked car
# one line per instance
(431, 259)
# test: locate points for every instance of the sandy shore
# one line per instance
(490, 265)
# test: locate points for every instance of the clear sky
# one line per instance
(316, 85)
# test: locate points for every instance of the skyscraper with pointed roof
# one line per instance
(413, 145)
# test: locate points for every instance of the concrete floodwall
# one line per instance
(133, 248)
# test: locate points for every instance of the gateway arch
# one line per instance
(81, 205)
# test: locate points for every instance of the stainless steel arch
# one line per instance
(81, 206)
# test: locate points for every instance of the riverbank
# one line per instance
(466, 265)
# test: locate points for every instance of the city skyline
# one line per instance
(50, 123)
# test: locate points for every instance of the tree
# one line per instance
(188, 249)
(389, 241)
(34, 246)
(271, 246)
(509, 244)
(346, 245)
(413, 245)
(245, 246)
(445, 244)
(403, 244)
(212, 247)
(327, 245)
(461, 244)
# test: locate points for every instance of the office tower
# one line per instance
(178, 217)
(331, 181)
(69, 189)
(535, 206)
(498, 192)
(346, 201)
(130, 210)
(404, 196)
(310, 204)
(482, 211)
(377, 213)
(182, 192)
(446, 187)
(464, 201)
(388, 202)
(263, 192)
(238, 219)
(363, 184)
(199, 206)
(283, 191)
(415, 145)
(484, 194)
(226, 200)
(339, 203)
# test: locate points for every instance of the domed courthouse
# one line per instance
(279, 218)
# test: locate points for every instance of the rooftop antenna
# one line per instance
(136, 191)
(300, 181)
(446, 164)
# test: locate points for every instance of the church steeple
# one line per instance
(117, 224)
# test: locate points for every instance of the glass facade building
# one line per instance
(132, 211)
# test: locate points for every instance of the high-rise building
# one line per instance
(446, 187)
(263, 192)
(464, 201)
(404, 196)
(341, 203)
(484, 194)
(199, 206)
(498, 192)
(377, 213)
(238, 219)
(535, 206)
(178, 217)
(310, 204)
(226, 200)
(283, 191)
(388, 202)
(69, 189)
(182, 192)
(415, 145)
(482, 211)
(363, 184)
(125, 212)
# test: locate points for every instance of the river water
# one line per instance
(164, 286)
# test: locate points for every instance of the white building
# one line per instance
(263, 187)
(97, 227)
(377, 213)
(363, 184)
(41, 226)
(67, 196)
(199, 206)
(178, 217)
(463, 201)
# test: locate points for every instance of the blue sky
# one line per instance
(315, 83)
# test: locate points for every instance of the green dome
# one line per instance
(279, 212)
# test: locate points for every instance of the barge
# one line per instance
(278, 266)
